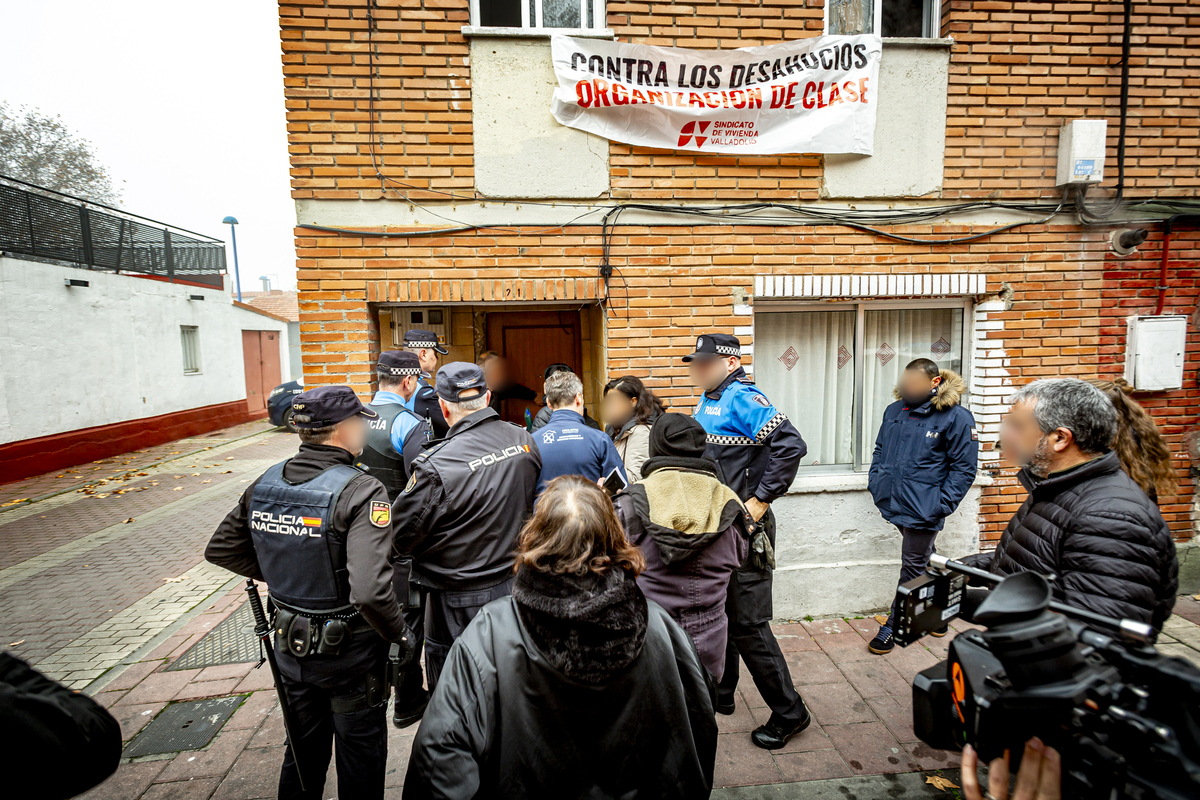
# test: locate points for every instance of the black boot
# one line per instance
(775, 733)
(411, 699)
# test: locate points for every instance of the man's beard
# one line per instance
(1039, 463)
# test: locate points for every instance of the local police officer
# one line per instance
(465, 502)
(318, 531)
(396, 437)
(758, 452)
(393, 441)
(425, 344)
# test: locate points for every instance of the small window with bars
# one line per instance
(189, 336)
(539, 15)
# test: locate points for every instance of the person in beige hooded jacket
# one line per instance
(629, 409)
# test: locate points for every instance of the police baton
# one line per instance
(262, 629)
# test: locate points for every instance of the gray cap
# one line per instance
(458, 378)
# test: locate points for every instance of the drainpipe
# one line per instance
(1168, 224)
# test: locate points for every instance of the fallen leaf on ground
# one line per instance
(176, 579)
(129, 520)
(229, 458)
(208, 448)
(226, 472)
(207, 481)
(14, 502)
(102, 494)
(174, 452)
(941, 783)
(195, 474)
(177, 488)
(142, 474)
(14, 644)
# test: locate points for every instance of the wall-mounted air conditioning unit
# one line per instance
(1154, 352)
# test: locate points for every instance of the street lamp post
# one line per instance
(237, 281)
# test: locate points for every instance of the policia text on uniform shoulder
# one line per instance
(318, 531)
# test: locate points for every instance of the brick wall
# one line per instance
(1017, 71)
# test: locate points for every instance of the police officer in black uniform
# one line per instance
(758, 452)
(318, 531)
(465, 502)
(424, 403)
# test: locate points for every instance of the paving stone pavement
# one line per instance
(107, 605)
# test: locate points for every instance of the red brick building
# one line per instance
(408, 117)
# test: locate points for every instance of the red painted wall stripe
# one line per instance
(29, 457)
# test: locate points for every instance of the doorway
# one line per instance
(260, 355)
(531, 341)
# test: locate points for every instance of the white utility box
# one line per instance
(406, 318)
(1154, 352)
(1081, 147)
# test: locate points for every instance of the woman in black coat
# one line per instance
(576, 686)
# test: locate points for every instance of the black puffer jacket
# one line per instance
(1104, 539)
(575, 686)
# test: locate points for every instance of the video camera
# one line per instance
(1125, 718)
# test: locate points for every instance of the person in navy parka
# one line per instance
(924, 462)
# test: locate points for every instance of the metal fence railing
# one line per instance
(62, 228)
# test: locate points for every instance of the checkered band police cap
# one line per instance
(712, 345)
(399, 363)
(327, 405)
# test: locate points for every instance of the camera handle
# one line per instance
(1130, 630)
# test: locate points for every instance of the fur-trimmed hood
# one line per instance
(949, 392)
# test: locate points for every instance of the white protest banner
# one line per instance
(806, 96)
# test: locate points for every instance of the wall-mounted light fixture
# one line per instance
(195, 297)
(69, 282)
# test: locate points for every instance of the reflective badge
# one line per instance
(381, 514)
(412, 481)
(762, 401)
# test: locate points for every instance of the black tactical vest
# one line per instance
(380, 459)
(291, 525)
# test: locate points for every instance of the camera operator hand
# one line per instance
(1039, 778)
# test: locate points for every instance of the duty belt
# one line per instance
(303, 632)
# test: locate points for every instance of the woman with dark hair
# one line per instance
(1139, 444)
(629, 409)
(693, 531)
(576, 685)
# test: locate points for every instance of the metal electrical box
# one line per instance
(1154, 352)
(422, 318)
(1081, 147)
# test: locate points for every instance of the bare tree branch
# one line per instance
(43, 151)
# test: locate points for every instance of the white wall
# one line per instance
(109, 352)
(834, 553)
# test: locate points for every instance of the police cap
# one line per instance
(423, 340)
(711, 345)
(459, 378)
(399, 363)
(327, 405)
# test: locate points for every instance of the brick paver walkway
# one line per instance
(104, 588)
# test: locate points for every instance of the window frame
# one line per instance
(194, 331)
(861, 306)
(931, 16)
(598, 28)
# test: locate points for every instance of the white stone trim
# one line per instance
(958, 284)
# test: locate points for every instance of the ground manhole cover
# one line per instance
(231, 642)
(183, 726)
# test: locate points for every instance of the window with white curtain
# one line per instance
(576, 15)
(896, 18)
(832, 371)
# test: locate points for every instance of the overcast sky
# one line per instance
(184, 103)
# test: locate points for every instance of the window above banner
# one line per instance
(534, 18)
(893, 19)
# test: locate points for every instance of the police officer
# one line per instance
(318, 531)
(396, 437)
(465, 502)
(758, 452)
(424, 403)
(393, 441)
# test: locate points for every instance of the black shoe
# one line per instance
(940, 632)
(883, 643)
(774, 734)
(726, 707)
(412, 709)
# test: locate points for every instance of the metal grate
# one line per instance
(37, 224)
(183, 726)
(231, 642)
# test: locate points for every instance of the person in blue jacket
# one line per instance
(567, 444)
(757, 451)
(924, 462)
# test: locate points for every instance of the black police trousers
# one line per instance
(410, 689)
(749, 606)
(315, 686)
(447, 615)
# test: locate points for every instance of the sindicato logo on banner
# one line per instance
(812, 95)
